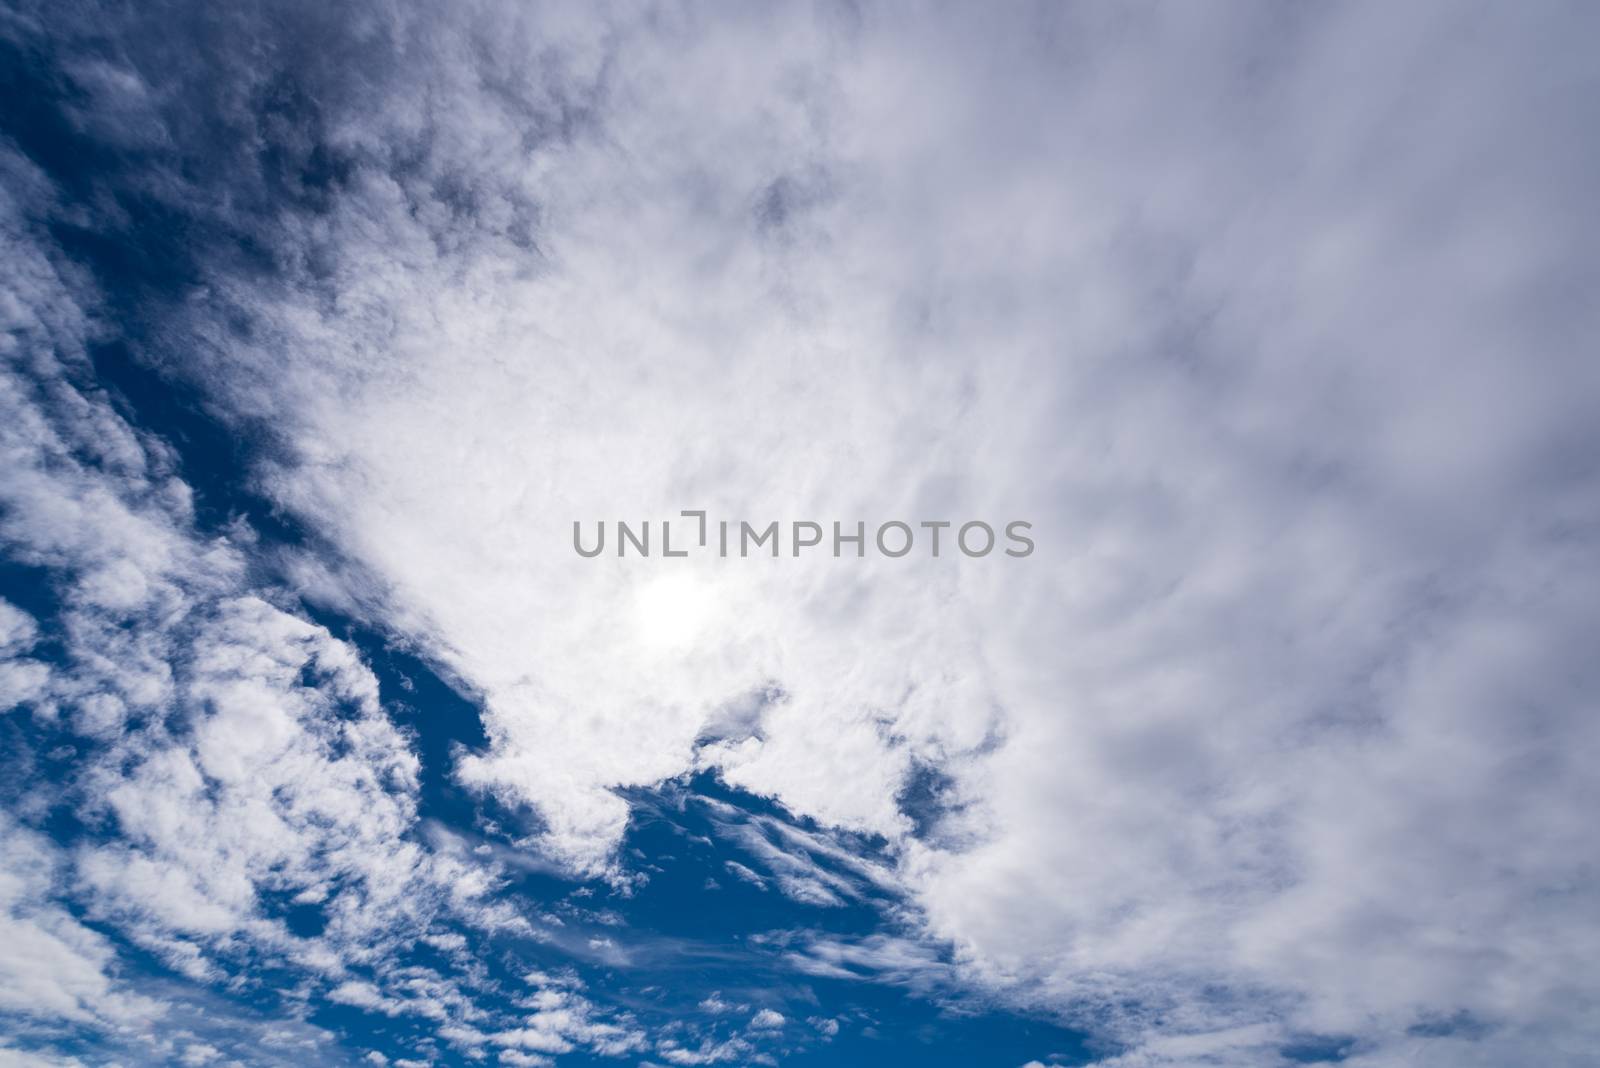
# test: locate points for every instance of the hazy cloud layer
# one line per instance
(1272, 321)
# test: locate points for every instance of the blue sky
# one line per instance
(324, 323)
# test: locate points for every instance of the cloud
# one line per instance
(54, 967)
(886, 958)
(1270, 323)
(566, 1020)
(523, 1060)
(208, 757)
(708, 1052)
(716, 1006)
(14, 1058)
(813, 868)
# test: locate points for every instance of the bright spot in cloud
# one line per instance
(670, 612)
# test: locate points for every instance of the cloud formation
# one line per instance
(1271, 322)
(229, 804)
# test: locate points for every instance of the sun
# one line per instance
(671, 611)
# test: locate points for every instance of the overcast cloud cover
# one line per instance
(323, 323)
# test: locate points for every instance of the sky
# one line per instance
(323, 324)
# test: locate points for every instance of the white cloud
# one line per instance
(744, 874)
(16, 1058)
(716, 1006)
(225, 751)
(1271, 324)
(565, 1020)
(708, 1052)
(766, 1019)
(54, 968)
(17, 629)
(887, 958)
(523, 1060)
(198, 1054)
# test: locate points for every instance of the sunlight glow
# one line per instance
(671, 611)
